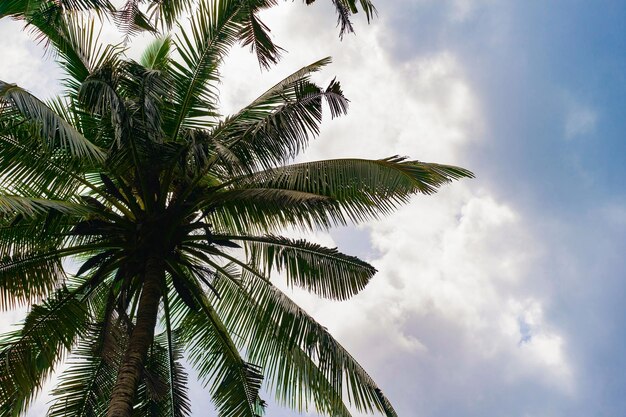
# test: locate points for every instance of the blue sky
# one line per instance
(504, 295)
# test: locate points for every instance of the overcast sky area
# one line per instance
(504, 295)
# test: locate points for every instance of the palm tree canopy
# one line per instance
(167, 211)
(133, 16)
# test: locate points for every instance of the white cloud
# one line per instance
(23, 63)
(450, 302)
(580, 120)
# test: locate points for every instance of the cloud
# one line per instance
(451, 305)
(22, 61)
(580, 120)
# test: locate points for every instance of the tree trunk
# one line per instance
(141, 339)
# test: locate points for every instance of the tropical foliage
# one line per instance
(153, 15)
(138, 225)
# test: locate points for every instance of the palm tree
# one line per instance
(168, 217)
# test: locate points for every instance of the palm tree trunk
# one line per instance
(131, 369)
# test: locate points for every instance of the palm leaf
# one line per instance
(293, 375)
(323, 271)
(24, 9)
(213, 31)
(28, 355)
(24, 167)
(271, 325)
(269, 209)
(345, 9)
(85, 387)
(13, 204)
(281, 122)
(28, 277)
(166, 12)
(54, 130)
(362, 188)
(163, 391)
(234, 383)
(157, 55)
(255, 34)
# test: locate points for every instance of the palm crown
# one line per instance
(169, 215)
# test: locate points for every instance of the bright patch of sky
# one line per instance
(503, 295)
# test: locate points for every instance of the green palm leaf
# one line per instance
(13, 204)
(84, 388)
(234, 383)
(28, 355)
(54, 130)
(26, 168)
(213, 31)
(27, 277)
(362, 188)
(320, 270)
(281, 122)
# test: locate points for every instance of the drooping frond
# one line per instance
(163, 391)
(165, 13)
(24, 9)
(28, 277)
(27, 169)
(28, 355)
(26, 206)
(234, 383)
(345, 9)
(255, 34)
(85, 387)
(302, 361)
(263, 209)
(131, 20)
(55, 132)
(320, 270)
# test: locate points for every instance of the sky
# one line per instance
(501, 295)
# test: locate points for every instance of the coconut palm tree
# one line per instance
(138, 225)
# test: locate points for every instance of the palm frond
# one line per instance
(214, 29)
(278, 125)
(19, 234)
(28, 277)
(157, 55)
(295, 326)
(28, 355)
(163, 390)
(24, 9)
(165, 13)
(272, 326)
(13, 204)
(323, 271)
(234, 384)
(54, 130)
(131, 20)
(25, 167)
(255, 34)
(345, 9)
(85, 387)
(363, 189)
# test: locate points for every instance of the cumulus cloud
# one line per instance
(449, 306)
